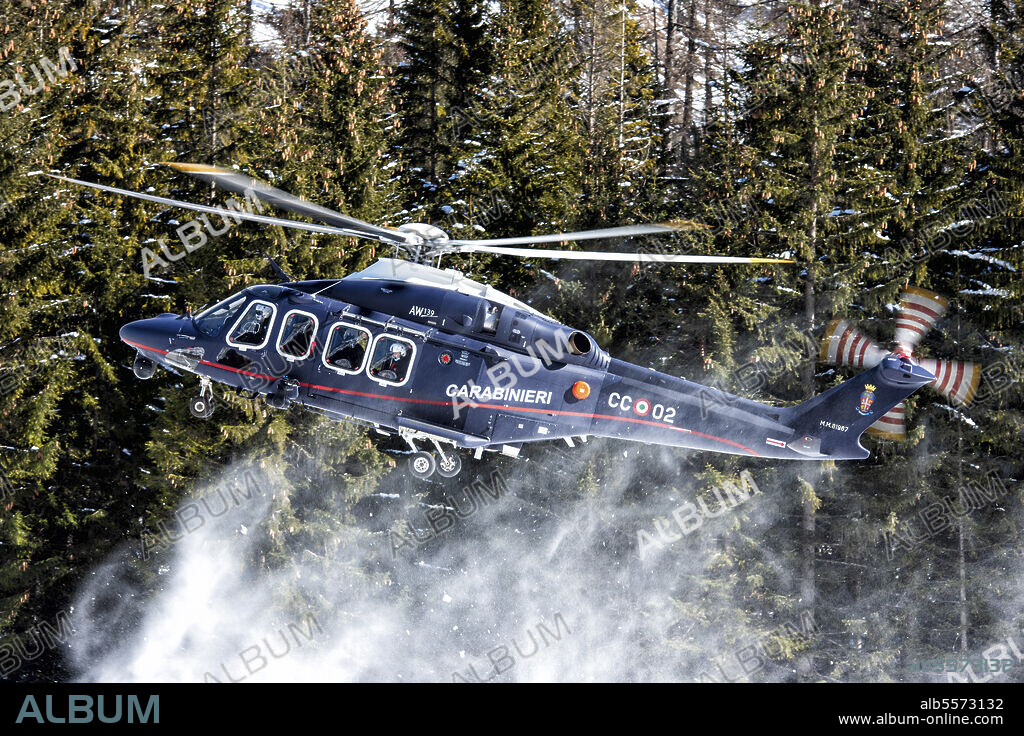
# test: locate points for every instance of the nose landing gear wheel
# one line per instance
(449, 465)
(422, 464)
(201, 407)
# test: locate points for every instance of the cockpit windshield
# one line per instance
(211, 321)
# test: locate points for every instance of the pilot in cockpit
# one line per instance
(253, 330)
(394, 365)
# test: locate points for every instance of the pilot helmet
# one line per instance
(397, 347)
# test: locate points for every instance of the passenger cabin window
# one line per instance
(211, 321)
(392, 359)
(297, 335)
(347, 347)
(252, 330)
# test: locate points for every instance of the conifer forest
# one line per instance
(870, 146)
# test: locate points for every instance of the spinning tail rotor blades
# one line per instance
(957, 380)
(919, 311)
(845, 345)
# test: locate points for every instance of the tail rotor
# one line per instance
(846, 345)
(919, 311)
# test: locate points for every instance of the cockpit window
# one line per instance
(347, 348)
(392, 359)
(492, 314)
(252, 330)
(297, 335)
(211, 321)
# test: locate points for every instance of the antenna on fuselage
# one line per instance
(278, 271)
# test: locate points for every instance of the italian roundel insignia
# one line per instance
(867, 399)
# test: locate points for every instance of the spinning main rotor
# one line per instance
(418, 242)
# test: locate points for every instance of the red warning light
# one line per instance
(581, 390)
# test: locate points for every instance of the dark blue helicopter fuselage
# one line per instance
(487, 374)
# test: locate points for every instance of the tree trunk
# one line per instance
(688, 83)
(670, 46)
(810, 475)
(961, 527)
(709, 61)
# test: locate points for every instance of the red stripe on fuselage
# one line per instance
(527, 409)
(146, 347)
(535, 410)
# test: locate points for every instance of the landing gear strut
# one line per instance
(202, 405)
(448, 463)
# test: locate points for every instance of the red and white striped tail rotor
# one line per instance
(956, 379)
(919, 311)
(893, 425)
(844, 344)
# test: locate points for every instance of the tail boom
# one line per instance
(650, 407)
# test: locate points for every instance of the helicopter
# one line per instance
(443, 361)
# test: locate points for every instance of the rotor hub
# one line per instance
(424, 234)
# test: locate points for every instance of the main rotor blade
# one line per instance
(591, 255)
(239, 183)
(608, 232)
(224, 211)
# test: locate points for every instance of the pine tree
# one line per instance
(616, 106)
(519, 168)
(324, 132)
(972, 448)
(917, 158)
(323, 119)
(796, 142)
(69, 431)
(320, 125)
(445, 60)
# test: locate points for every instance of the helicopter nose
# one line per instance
(155, 334)
(138, 334)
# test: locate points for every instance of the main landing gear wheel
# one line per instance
(422, 464)
(449, 464)
(201, 407)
